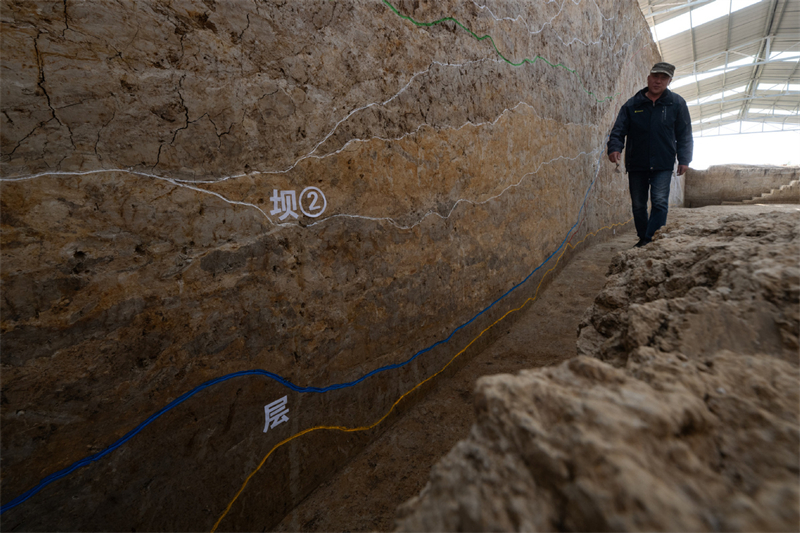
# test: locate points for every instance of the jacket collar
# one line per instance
(664, 99)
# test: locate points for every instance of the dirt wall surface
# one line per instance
(681, 412)
(735, 183)
(364, 494)
(310, 191)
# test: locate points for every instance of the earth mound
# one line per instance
(680, 412)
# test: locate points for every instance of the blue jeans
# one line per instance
(657, 181)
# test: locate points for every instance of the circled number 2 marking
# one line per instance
(313, 197)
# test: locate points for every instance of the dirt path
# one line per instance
(363, 496)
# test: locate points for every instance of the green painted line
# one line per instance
(489, 38)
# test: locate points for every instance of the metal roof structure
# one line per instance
(738, 61)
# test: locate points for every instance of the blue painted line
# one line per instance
(182, 398)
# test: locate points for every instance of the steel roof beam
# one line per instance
(694, 48)
(740, 132)
(727, 55)
(724, 122)
(773, 21)
(748, 98)
(734, 51)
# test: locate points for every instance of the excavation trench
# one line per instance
(364, 494)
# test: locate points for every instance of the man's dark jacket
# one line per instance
(656, 132)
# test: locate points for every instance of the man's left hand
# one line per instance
(682, 169)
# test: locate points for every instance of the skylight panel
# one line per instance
(785, 56)
(699, 16)
(716, 117)
(719, 96)
(780, 86)
(692, 79)
(680, 82)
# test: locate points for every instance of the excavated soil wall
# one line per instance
(734, 183)
(219, 214)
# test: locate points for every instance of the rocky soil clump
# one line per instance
(680, 413)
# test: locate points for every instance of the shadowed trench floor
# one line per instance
(365, 493)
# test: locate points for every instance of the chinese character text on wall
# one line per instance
(276, 413)
(311, 203)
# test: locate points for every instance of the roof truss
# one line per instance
(734, 57)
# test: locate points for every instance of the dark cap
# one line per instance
(666, 68)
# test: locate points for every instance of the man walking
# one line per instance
(657, 125)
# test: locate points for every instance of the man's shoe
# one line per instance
(641, 243)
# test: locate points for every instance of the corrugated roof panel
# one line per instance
(768, 25)
(714, 84)
(790, 23)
